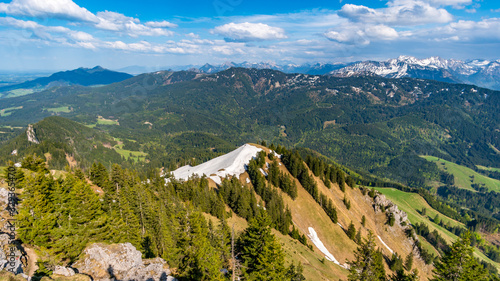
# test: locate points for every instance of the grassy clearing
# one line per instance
(412, 203)
(489, 168)
(465, 177)
(8, 111)
(127, 154)
(10, 127)
(135, 155)
(19, 93)
(103, 121)
(64, 109)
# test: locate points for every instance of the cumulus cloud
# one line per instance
(245, 32)
(130, 26)
(62, 9)
(381, 32)
(48, 34)
(67, 9)
(352, 36)
(398, 13)
(486, 29)
(361, 35)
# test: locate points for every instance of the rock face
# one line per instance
(380, 201)
(30, 133)
(120, 262)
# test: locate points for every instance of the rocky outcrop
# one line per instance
(64, 271)
(12, 257)
(30, 133)
(120, 262)
(380, 202)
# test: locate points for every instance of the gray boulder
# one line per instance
(65, 271)
(120, 262)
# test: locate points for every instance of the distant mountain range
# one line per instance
(312, 69)
(80, 76)
(483, 73)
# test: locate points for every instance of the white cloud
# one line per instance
(381, 32)
(475, 32)
(227, 50)
(67, 9)
(361, 35)
(398, 13)
(246, 31)
(81, 36)
(47, 35)
(454, 3)
(63, 9)
(161, 24)
(192, 35)
(352, 36)
(130, 26)
(485, 29)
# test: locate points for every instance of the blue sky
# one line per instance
(66, 34)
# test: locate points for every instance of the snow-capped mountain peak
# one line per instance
(483, 73)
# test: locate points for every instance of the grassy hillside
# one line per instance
(314, 267)
(465, 177)
(306, 212)
(412, 204)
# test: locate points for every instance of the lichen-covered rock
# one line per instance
(120, 262)
(65, 271)
(156, 269)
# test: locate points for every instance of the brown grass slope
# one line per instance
(307, 213)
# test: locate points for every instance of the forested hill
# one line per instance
(81, 76)
(372, 124)
(62, 142)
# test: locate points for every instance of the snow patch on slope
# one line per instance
(231, 164)
(390, 250)
(317, 242)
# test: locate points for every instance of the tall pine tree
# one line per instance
(260, 253)
(368, 264)
(458, 263)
